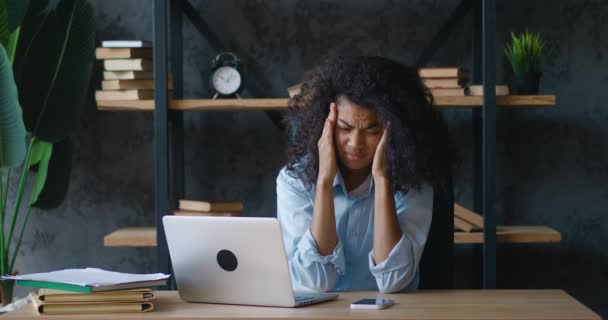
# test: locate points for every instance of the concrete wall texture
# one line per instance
(552, 163)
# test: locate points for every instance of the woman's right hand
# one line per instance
(327, 153)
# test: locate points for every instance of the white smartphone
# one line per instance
(372, 303)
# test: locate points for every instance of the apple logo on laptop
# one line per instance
(227, 260)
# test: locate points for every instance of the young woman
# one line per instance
(355, 198)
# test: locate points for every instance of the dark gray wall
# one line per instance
(552, 166)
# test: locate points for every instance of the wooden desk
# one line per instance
(448, 304)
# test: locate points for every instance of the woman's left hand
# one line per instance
(379, 163)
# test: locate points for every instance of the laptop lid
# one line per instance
(234, 260)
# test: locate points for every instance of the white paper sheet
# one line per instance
(89, 276)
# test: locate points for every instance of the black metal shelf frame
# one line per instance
(169, 158)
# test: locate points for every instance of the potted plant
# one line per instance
(524, 53)
(46, 62)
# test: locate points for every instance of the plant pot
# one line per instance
(525, 83)
(6, 291)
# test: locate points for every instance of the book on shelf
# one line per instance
(477, 90)
(452, 92)
(54, 296)
(128, 75)
(444, 83)
(63, 308)
(126, 44)
(133, 94)
(128, 65)
(294, 90)
(89, 280)
(442, 72)
(180, 212)
(209, 206)
(123, 53)
(468, 216)
(147, 84)
(462, 225)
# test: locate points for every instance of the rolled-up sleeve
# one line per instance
(308, 269)
(400, 270)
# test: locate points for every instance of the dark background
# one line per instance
(552, 163)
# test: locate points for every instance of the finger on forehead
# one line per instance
(325, 125)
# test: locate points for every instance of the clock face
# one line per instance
(226, 80)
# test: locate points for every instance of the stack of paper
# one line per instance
(91, 290)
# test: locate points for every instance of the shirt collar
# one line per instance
(339, 181)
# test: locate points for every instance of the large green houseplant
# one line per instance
(50, 46)
(524, 54)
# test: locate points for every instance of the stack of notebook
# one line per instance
(128, 71)
(445, 81)
(51, 301)
(209, 208)
(467, 220)
(90, 290)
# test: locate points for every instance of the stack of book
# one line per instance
(52, 301)
(477, 90)
(445, 81)
(208, 208)
(128, 71)
(90, 290)
(467, 220)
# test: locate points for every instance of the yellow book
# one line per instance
(477, 90)
(128, 65)
(468, 215)
(124, 94)
(58, 296)
(443, 83)
(459, 92)
(207, 206)
(131, 84)
(89, 307)
(207, 214)
(123, 53)
(127, 75)
(463, 225)
(442, 72)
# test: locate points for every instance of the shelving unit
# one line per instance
(483, 115)
(146, 236)
(281, 103)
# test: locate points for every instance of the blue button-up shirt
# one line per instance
(351, 265)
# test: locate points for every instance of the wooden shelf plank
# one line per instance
(196, 105)
(502, 101)
(513, 234)
(146, 236)
(229, 104)
(131, 237)
(281, 103)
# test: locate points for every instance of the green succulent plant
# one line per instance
(524, 52)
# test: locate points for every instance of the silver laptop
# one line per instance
(232, 260)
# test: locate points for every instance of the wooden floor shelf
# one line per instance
(512, 234)
(146, 236)
(281, 103)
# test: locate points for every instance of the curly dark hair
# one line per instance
(418, 150)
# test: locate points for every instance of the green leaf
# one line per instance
(11, 15)
(45, 150)
(53, 66)
(12, 129)
(39, 149)
(58, 177)
(524, 51)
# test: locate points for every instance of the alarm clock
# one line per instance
(226, 80)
